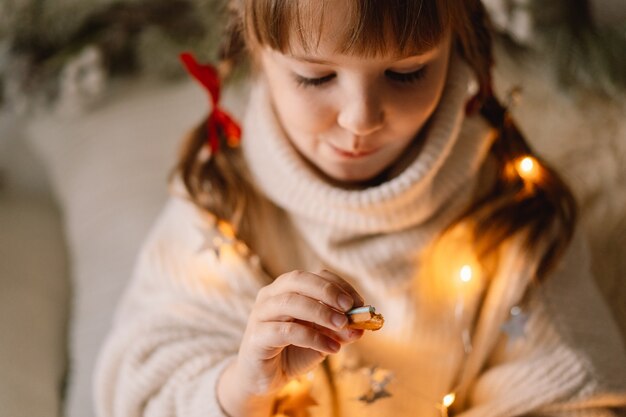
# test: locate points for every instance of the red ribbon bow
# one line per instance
(219, 122)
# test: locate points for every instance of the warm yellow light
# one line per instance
(527, 164)
(293, 387)
(528, 168)
(226, 229)
(448, 400)
(466, 273)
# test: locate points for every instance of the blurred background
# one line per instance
(93, 106)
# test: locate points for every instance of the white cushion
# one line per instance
(109, 170)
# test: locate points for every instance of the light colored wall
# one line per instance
(21, 172)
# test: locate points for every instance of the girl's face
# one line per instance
(353, 116)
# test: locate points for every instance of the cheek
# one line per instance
(409, 112)
(412, 107)
(306, 113)
(299, 110)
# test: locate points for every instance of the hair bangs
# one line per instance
(368, 27)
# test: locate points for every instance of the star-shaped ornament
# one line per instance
(515, 326)
(378, 380)
(372, 396)
(295, 399)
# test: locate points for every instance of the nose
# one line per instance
(362, 114)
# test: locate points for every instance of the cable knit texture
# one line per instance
(184, 313)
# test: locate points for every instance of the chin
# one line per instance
(353, 177)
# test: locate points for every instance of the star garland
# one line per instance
(515, 327)
(379, 378)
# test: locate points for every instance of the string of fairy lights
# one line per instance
(528, 169)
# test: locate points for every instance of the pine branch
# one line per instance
(118, 31)
(583, 54)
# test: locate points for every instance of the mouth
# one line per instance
(352, 155)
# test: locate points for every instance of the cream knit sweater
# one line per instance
(183, 315)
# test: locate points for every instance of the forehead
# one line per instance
(353, 27)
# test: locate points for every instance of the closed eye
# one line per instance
(406, 77)
(312, 82)
(403, 77)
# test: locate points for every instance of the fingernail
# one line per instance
(345, 302)
(354, 333)
(339, 320)
(333, 345)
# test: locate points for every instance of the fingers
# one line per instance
(343, 336)
(305, 310)
(326, 287)
(294, 306)
(345, 285)
(282, 334)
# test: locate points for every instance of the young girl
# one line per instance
(376, 167)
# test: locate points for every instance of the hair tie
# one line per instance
(219, 123)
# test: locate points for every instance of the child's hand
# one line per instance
(295, 323)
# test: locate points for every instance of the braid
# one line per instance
(219, 182)
(545, 209)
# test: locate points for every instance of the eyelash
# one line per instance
(313, 82)
(408, 77)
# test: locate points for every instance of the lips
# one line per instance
(351, 154)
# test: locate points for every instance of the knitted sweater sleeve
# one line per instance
(571, 361)
(178, 325)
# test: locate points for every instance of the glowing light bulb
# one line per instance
(448, 400)
(466, 273)
(293, 387)
(527, 167)
(226, 229)
(527, 164)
